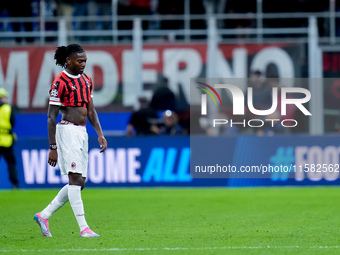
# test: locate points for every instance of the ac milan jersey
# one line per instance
(71, 90)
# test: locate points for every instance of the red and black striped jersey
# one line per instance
(71, 90)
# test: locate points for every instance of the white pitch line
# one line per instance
(177, 248)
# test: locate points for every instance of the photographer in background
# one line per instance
(170, 124)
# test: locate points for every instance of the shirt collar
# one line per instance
(71, 75)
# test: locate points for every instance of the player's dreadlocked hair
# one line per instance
(63, 52)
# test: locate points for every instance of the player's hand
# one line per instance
(103, 143)
(52, 157)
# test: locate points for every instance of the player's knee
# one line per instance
(75, 179)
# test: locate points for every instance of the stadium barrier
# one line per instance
(165, 161)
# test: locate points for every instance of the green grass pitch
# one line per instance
(290, 220)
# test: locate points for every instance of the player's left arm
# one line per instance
(93, 118)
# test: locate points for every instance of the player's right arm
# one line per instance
(56, 92)
(52, 114)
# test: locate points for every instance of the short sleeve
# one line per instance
(55, 93)
(91, 88)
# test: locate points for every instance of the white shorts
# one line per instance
(72, 143)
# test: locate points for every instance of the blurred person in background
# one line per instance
(235, 7)
(142, 121)
(198, 7)
(163, 97)
(260, 96)
(141, 7)
(123, 9)
(7, 137)
(174, 7)
(100, 8)
(65, 8)
(273, 81)
(20, 9)
(4, 26)
(92, 8)
(170, 124)
(81, 9)
(49, 11)
(222, 130)
(260, 93)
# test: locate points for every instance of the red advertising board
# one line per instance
(27, 72)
